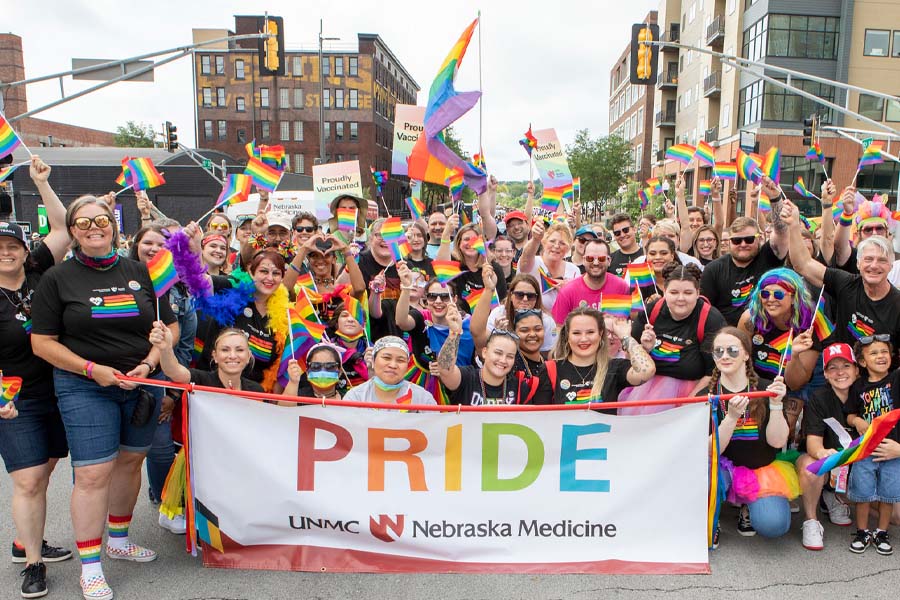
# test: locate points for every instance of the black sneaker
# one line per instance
(715, 544)
(745, 528)
(861, 540)
(35, 584)
(49, 554)
(882, 542)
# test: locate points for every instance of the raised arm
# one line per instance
(642, 366)
(684, 243)
(718, 207)
(487, 204)
(778, 240)
(529, 200)
(161, 338)
(526, 261)
(448, 371)
(478, 324)
(842, 235)
(826, 243)
(57, 241)
(444, 252)
(801, 260)
(402, 317)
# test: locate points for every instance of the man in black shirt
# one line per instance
(624, 232)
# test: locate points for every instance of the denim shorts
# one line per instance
(872, 481)
(34, 437)
(98, 419)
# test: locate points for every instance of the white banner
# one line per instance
(313, 488)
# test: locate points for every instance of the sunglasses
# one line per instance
(600, 260)
(505, 333)
(743, 239)
(84, 223)
(874, 229)
(879, 337)
(732, 351)
(431, 297)
(304, 228)
(521, 313)
(323, 366)
(623, 231)
(218, 226)
(585, 240)
(525, 296)
(779, 294)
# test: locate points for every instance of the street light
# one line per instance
(322, 96)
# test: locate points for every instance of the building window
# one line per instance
(354, 131)
(640, 120)
(298, 163)
(220, 64)
(876, 42)
(204, 64)
(353, 68)
(239, 105)
(239, 69)
(298, 131)
(284, 98)
(896, 51)
(264, 97)
(339, 98)
(339, 131)
(338, 66)
(782, 105)
(750, 104)
(638, 157)
(326, 66)
(893, 111)
(354, 98)
(285, 127)
(297, 67)
(754, 46)
(223, 130)
(265, 129)
(799, 36)
(326, 98)
(871, 107)
(327, 130)
(207, 130)
(220, 98)
(207, 96)
(298, 98)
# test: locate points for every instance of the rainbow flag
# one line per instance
(640, 274)
(380, 178)
(142, 175)
(478, 161)
(547, 283)
(767, 362)
(616, 305)
(455, 182)
(264, 176)
(788, 348)
(303, 335)
(656, 184)
(356, 309)
(125, 175)
(551, 198)
(704, 188)
(306, 280)
(445, 270)
(683, 153)
(725, 171)
(568, 192)
(836, 210)
(392, 229)
(473, 296)
(871, 155)
(304, 308)
(235, 190)
(861, 447)
(821, 323)
(637, 301)
(529, 142)
(748, 168)
(576, 185)
(416, 207)
(478, 244)
(6, 172)
(765, 205)
(346, 219)
(274, 156)
(162, 271)
(815, 153)
(772, 164)
(400, 249)
(9, 140)
(800, 188)
(11, 388)
(705, 154)
(644, 197)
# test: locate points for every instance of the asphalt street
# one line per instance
(741, 568)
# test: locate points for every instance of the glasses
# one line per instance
(431, 297)
(218, 226)
(732, 351)
(585, 240)
(706, 240)
(504, 251)
(84, 223)
(875, 229)
(525, 296)
(600, 260)
(505, 333)
(623, 231)
(304, 229)
(879, 337)
(779, 294)
(323, 366)
(743, 239)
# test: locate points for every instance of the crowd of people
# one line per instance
(728, 293)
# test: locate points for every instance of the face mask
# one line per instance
(322, 379)
(387, 387)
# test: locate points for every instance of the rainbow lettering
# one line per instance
(117, 306)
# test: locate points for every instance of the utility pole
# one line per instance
(322, 96)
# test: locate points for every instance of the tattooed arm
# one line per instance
(642, 366)
(448, 372)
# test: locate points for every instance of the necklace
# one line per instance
(525, 362)
(484, 395)
(22, 303)
(331, 395)
(584, 378)
(324, 281)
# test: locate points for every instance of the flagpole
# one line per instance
(125, 189)
(207, 213)
(291, 335)
(480, 89)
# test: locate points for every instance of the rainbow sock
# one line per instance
(89, 552)
(118, 531)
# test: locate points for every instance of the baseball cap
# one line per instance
(515, 214)
(280, 219)
(838, 351)
(587, 230)
(12, 230)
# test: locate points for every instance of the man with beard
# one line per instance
(437, 221)
(629, 251)
(517, 230)
(587, 289)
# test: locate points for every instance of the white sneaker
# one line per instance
(176, 525)
(813, 535)
(838, 511)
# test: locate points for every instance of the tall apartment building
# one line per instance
(699, 98)
(631, 111)
(363, 82)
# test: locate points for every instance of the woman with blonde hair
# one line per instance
(551, 266)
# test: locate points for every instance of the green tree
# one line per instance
(135, 135)
(602, 165)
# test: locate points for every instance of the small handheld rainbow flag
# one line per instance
(725, 171)
(355, 308)
(786, 355)
(705, 154)
(273, 156)
(815, 153)
(748, 168)
(264, 176)
(473, 297)
(616, 305)
(547, 283)
(800, 188)
(380, 178)
(822, 326)
(400, 249)
(304, 308)
(576, 186)
(235, 190)
(568, 192)
(478, 162)
(445, 270)
(392, 229)
(162, 271)
(704, 188)
(683, 153)
(11, 388)
(772, 164)
(861, 447)
(6, 172)
(306, 280)
(455, 182)
(764, 204)
(142, 175)
(551, 198)
(644, 197)
(346, 219)
(416, 207)
(529, 142)
(871, 155)
(640, 274)
(477, 243)
(9, 140)
(655, 184)
(637, 301)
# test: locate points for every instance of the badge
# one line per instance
(736, 293)
(762, 355)
(96, 301)
(571, 396)
(134, 285)
(248, 312)
(21, 317)
(757, 339)
(174, 307)
(564, 384)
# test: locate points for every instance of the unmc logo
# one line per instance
(380, 527)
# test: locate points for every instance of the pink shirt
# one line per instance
(576, 293)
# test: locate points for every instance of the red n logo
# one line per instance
(380, 527)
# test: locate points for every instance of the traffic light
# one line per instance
(271, 50)
(171, 135)
(809, 130)
(644, 56)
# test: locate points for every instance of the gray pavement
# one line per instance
(741, 568)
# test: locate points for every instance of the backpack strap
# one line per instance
(704, 317)
(550, 368)
(654, 312)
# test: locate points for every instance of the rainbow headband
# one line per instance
(207, 239)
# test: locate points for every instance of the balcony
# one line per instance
(672, 35)
(715, 32)
(712, 85)
(665, 118)
(667, 80)
(711, 135)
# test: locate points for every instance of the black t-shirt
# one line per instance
(848, 267)
(870, 399)
(679, 352)
(469, 281)
(263, 345)
(527, 366)
(618, 262)
(728, 286)
(856, 315)
(387, 323)
(470, 392)
(16, 356)
(748, 446)
(102, 316)
(211, 379)
(573, 384)
(370, 268)
(823, 404)
(423, 265)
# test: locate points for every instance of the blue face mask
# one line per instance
(387, 387)
(322, 379)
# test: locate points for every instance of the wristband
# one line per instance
(149, 366)
(776, 406)
(88, 370)
(446, 241)
(846, 220)
(827, 205)
(407, 287)
(291, 265)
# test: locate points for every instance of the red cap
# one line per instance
(515, 214)
(838, 351)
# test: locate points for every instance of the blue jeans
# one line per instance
(770, 516)
(872, 481)
(34, 437)
(159, 459)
